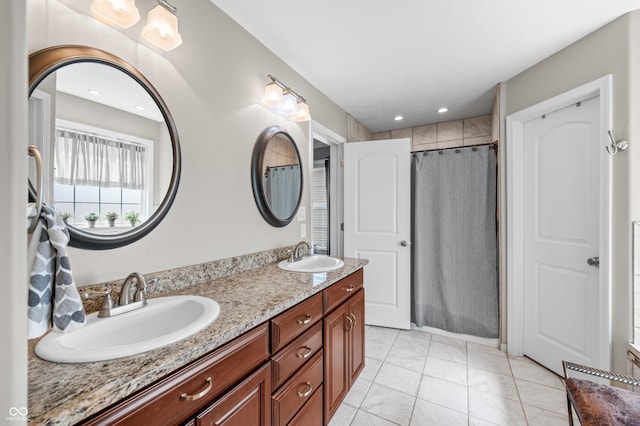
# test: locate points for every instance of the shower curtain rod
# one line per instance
(492, 145)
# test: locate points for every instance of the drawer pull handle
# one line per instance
(350, 323)
(185, 397)
(355, 320)
(306, 353)
(350, 288)
(306, 320)
(306, 392)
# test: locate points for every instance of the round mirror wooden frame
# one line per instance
(258, 170)
(46, 61)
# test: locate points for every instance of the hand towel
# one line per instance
(51, 280)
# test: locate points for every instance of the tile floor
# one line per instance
(419, 379)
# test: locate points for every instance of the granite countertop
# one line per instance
(63, 394)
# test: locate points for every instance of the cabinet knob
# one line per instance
(304, 320)
(307, 391)
(350, 288)
(185, 397)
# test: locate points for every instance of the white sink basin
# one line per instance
(163, 321)
(317, 263)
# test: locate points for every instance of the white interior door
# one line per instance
(561, 232)
(377, 225)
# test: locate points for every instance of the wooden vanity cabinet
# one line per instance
(294, 369)
(343, 340)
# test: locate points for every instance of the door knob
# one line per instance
(594, 261)
(403, 243)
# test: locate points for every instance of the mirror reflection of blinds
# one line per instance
(89, 159)
(320, 211)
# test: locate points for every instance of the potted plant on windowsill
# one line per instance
(65, 215)
(132, 218)
(111, 218)
(91, 219)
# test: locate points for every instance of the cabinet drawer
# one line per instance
(247, 404)
(291, 323)
(311, 413)
(297, 391)
(343, 289)
(163, 404)
(296, 353)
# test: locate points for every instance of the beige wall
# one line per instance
(213, 85)
(13, 175)
(610, 50)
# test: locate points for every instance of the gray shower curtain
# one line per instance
(282, 189)
(454, 250)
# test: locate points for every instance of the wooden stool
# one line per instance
(597, 404)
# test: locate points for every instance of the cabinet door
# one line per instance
(356, 336)
(247, 404)
(336, 379)
(311, 413)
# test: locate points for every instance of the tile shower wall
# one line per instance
(448, 134)
(356, 132)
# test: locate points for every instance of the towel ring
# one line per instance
(33, 152)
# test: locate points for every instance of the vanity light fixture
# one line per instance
(398, 118)
(122, 13)
(443, 110)
(162, 26)
(289, 104)
(272, 95)
(303, 112)
(282, 99)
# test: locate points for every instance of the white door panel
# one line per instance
(561, 231)
(376, 220)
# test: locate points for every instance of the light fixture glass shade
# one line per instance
(289, 104)
(162, 29)
(272, 96)
(123, 13)
(303, 112)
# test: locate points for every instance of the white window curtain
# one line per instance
(88, 159)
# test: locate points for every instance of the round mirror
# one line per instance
(276, 176)
(110, 150)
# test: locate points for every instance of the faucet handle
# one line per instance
(141, 289)
(107, 301)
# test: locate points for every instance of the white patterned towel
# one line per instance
(51, 279)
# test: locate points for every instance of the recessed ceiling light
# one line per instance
(94, 92)
(140, 107)
(398, 117)
(443, 110)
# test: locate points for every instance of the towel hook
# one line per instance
(614, 147)
(33, 152)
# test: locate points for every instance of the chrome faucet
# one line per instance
(124, 303)
(294, 255)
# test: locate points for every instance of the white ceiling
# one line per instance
(116, 89)
(380, 58)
